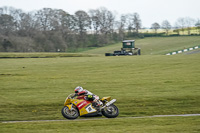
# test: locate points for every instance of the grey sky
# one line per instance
(150, 11)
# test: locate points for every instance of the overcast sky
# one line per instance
(150, 11)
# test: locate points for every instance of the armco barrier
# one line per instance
(184, 50)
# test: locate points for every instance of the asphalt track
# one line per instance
(86, 119)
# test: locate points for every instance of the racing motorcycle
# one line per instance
(74, 107)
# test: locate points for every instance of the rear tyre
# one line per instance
(69, 114)
(111, 111)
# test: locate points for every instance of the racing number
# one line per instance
(90, 109)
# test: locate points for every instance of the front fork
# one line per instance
(71, 107)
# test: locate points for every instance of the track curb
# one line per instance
(184, 50)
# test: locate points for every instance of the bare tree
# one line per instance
(106, 19)
(5, 10)
(166, 25)
(25, 25)
(155, 26)
(83, 22)
(121, 26)
(177, 28)
(198, 25)
(67, 29)
(133, 22)
(130, 22)
(103, 22)
(189, 22)
(44, 17)
(1, 10)
(95, 23)
(7, 24)
(181, 24)
(137, 22)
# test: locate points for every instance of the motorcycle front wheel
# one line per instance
(69, 114)
(111, 111)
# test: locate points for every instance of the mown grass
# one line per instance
(154, 45)
(128, 125)
(34, 89)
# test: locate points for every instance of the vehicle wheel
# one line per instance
(70, 114)
(111, 111)
(139, 52)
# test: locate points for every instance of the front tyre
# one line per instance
(69, 114)
(111, 111)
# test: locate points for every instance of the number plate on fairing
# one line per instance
(90, 109)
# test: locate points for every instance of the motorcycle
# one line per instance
(74, 107)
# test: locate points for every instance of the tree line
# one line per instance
(52, 30)
(55, 30)
(181, 25)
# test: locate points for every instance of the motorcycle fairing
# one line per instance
(105, 98)
(84, 106)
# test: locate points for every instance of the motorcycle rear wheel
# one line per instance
(111, 111)
(69, 114)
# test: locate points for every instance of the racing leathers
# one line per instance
(90, 97)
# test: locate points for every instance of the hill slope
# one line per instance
(154, 45)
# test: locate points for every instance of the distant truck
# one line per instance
(128, 48)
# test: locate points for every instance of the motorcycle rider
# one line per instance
(89, 96)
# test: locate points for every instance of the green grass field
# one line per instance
(154, 45)
(35, 89)
(128, 125)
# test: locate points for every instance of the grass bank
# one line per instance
(128, 125)
(154, 45)
(35, 89)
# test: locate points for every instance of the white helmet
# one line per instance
(78, 89)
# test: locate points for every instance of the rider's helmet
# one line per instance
(78, 89)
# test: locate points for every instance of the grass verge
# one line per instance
(128, 125)
(42, 55)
